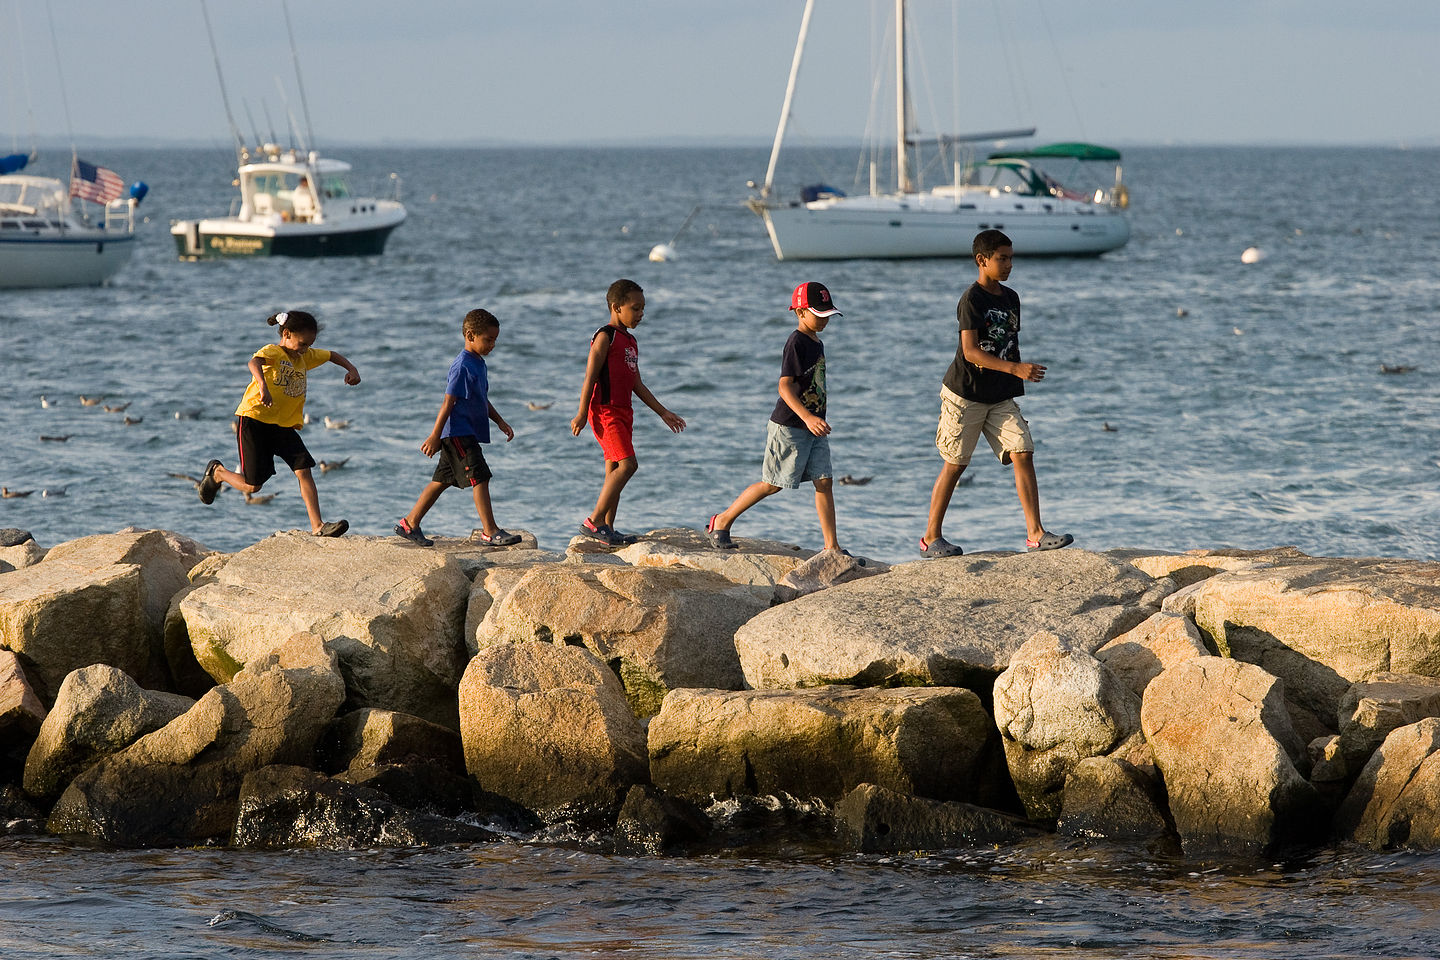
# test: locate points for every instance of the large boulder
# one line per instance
(21, 714)
(1055, 705)
(18, 549)
(1192, 566)
(371, 737)
(1110, 798)
(1323, 624)
(1142, 654)
(824, 570)
(391, 613)
(658, 628)
(951, 622)
(99, 599)
(288, 806)
(872, 819)
(99, 711)
(180, 785)
(757, 562)
(548, 726)
(1396, 800)
(1228, 753)
(1369, 710)
(933, 742)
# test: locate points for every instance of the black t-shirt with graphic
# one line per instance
(995, 318)
(803, 359)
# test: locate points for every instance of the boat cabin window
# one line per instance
(1007, 179)
(334, 186)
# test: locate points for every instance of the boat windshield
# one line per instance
(1012, 178)
(334, 186)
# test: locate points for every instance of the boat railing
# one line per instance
(395, 186)
(235, 204)
(120, 215)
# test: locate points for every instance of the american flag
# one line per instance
(96, 184)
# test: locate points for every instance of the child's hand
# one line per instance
(674, 421)
(577, 423)
(1033, 372)
(817, 426)
(505, 429)
(264, 394)
(352, 377)
(430, 446)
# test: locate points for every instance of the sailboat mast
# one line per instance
(789, 96)
(902, 166)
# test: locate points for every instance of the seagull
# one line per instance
(53, 492)
(327, 465)
(193, 481)
(855, 481)
(61, 438)
(263, 498)
(44, 402)
(1238, 332)
(336, 424)
(1396, 368)
(1107, 428)
(9, 494)
(117, 407)
(532, 405)
(90, 401)
(131, 421)
(305, 419)
(191, 414)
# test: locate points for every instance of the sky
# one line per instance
(651, 71)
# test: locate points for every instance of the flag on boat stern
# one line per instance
(96, 184)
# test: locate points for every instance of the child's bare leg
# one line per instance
(311, 496)
(481, 492)
(940, 496)
(235, 480)
(825, 507)
(617, 474)
(750, 496)
(1029, 491)
(423, 503)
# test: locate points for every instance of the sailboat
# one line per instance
(1008, 192)
(44, 242)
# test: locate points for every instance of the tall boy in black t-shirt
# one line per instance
(978, 397)
(797, 444)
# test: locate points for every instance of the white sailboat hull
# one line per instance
(921, 225)
(85, 258)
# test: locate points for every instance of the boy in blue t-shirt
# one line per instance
(797, 441)
(462, 424)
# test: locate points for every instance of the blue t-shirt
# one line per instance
(469, 383)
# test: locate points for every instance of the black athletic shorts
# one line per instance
(461, 463)
(260, 443)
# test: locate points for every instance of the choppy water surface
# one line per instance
(1247, 404)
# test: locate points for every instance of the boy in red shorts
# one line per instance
(612, 374)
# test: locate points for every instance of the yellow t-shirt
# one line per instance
(286, 378)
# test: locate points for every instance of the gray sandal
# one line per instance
(1049, 541)
(331, 528)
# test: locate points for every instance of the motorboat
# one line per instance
(1007, 192)
(292, 204)
(48, 239)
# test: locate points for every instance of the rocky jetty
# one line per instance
(670, 697)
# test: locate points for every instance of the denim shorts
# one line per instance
(794, 455)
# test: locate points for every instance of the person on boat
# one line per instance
(272, 413)
(797, 438)
(302, 200)
(612, 374)
(462, 424)
(978, 397)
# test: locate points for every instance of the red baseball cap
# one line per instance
(814, 297)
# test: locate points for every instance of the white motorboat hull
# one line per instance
(884, 228)
(79, 259)
(362, 234)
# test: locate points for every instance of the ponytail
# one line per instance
(296, 321)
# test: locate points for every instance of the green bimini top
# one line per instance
(1067, 151)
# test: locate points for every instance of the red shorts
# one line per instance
(612, 426)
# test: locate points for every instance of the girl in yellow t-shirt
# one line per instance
(271, 414)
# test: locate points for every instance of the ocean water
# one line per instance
(1247, 407)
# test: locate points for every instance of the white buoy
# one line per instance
(662, 252)
(1253, 255)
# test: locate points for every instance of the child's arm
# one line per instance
(974, 355)
(432, 442)
(499, 421)
(352, 376)
(257, 373)
(790, 393)
(599, 352)
(674, 421)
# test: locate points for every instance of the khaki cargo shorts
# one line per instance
(963, 421)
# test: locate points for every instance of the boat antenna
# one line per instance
(59, 70)
(902, 97)
(299, 80)
(294, 126)
(789, 97)
(269, 122)
(259, 143)
(25, 80)
(224, 95)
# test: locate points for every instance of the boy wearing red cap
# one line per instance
(797, 445)
(612, 374)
